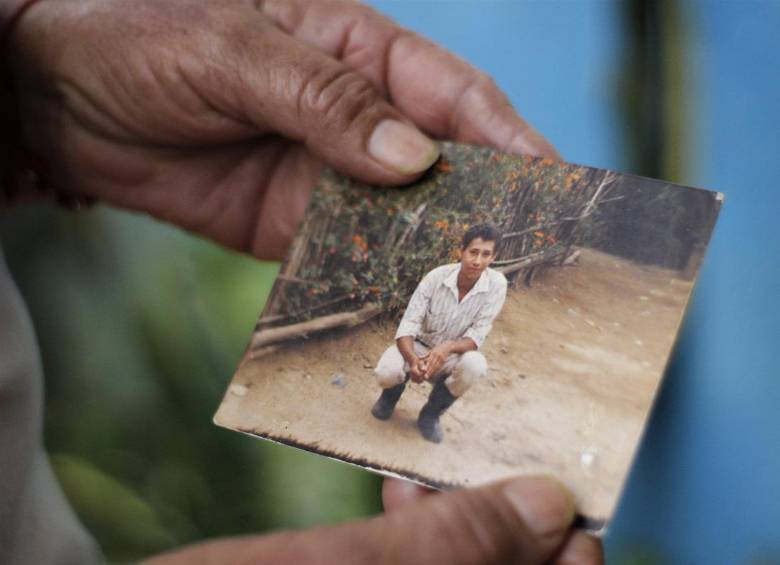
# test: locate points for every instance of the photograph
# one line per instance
(388, 281)
(502, 316)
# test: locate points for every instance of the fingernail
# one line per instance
(401, 148)
(544, 504)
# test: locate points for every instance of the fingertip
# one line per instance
(581, 549)
(543, 503)
(402, 148)
(526, 519)
(530, 142)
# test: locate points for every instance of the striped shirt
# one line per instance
(434, 314)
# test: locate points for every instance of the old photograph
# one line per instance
(505, 315)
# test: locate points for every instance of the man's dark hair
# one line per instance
(486, 232)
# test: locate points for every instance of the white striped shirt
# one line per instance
(434, 314)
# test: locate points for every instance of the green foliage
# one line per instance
(141, 327)
(363, 244)
(127, 525)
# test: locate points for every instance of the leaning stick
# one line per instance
(343, 319)
(529, 261)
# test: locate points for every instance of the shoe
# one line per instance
(438, 403)
(384, 406)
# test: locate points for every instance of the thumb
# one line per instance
(293, 89)
(522, 521)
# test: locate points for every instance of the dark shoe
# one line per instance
(384, 406)
(438, 402)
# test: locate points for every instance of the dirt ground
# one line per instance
(575, 361)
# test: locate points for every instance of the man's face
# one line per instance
(477, 256)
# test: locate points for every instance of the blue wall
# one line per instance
(706, 486)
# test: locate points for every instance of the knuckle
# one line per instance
(480, 96)
(336, 98)
(483, 89)
(485, 82)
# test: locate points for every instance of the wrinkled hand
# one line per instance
(217, 116)
(435, 359)
(520, 522)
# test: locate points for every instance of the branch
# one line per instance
(343, 319)
(511, 265)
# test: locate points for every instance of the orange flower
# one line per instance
(360, 242)
(539, 233)
(443, 166)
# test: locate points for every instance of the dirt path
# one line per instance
(574, 365)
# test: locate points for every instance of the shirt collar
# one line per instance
(482, 284)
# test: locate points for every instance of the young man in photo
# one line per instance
(448, 318)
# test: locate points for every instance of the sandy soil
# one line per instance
(575, 362)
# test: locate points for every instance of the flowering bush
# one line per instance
(363, 244)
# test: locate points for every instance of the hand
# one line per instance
(417, 369)
(217, 116)
(436, 358)
(524, 521)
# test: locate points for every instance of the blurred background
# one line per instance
(141, 326)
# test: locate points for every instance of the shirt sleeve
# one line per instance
(483, 321)
(412, 321)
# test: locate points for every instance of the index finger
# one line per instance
(441, 93)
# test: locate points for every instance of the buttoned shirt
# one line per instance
(435, 314)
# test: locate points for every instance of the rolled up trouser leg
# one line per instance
(471, 367)
(390, 370)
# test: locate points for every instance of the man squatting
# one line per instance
(448, 318)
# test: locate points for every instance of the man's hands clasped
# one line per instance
(424, 367)
(418, 368)
(427, 366)
(435, 359)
